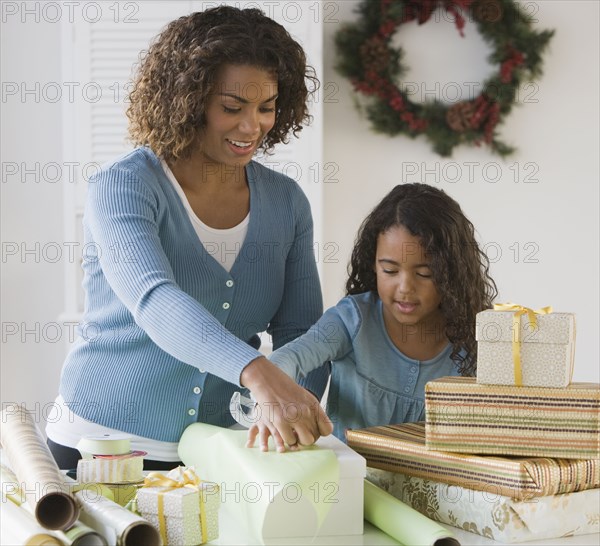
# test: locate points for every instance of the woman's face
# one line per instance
(239, 113)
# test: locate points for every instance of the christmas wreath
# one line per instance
(366, 57)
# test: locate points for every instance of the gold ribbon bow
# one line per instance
(187, 478)
(519, 311)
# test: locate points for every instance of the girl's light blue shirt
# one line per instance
(372, 382)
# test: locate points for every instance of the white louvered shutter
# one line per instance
(100, 47)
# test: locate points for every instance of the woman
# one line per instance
(199, 248)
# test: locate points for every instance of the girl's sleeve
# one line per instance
(122, 212)
(329, 339)
(302, 302)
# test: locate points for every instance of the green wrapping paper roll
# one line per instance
(402, 522)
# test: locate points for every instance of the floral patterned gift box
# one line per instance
(519, 346)
(495, 516)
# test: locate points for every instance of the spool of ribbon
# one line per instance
(176, 478)
(519, 311)
(104, 444)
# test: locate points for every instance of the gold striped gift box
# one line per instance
(467, 417)
(401, 448)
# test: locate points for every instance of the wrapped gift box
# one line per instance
(547, 350)
(401, 448)
(346, 513)
(495, 516)
(126, 468)
(181, 514)
(467, 417)
(315, 491)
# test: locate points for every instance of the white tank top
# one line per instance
(222, 244)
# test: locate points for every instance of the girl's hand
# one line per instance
(284, 410)
(263, 431)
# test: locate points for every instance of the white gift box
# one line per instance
(315, 491)
(346, 498)
(182, 512)
(547, 350)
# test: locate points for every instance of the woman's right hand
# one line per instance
(284, 410)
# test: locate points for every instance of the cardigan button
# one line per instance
(192, 412)
(229, 283)
(226, 305)
(197, 390)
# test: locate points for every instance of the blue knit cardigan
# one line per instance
(166, 330)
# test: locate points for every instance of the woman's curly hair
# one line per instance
(459, 268)
(180, 69)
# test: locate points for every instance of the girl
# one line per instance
(417, 280)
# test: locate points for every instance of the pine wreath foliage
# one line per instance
(366, 57)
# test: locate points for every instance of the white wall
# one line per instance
(553, 221)
(557, 137)
(32, 263)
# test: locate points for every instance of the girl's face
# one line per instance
(404, 280)
(239, 113)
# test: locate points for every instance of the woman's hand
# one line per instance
(284, 410)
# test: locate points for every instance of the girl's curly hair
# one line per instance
(459, 267)
(180, 69)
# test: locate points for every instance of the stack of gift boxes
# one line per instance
(180, 506)
(513, 454)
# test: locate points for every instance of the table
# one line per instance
(374, 537)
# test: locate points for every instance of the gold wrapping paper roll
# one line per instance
(30, 459)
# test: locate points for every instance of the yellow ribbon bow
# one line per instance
(185, 478)
(519, 311)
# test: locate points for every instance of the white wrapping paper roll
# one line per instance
(81, 535)
(20, 527)
(78, 535)
(30, 459)
(118, 525)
